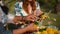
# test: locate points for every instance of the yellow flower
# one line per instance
(42, 27)
(43, 16)
(44, 32)
(50, 31)
(38, 33)
(35, 26)
(59, 32)
(56, 32)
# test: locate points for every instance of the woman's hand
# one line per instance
(30, 18)
(37, 12)
(17, 19)
(31, 28)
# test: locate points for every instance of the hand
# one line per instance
(37, 12)
(30, 18)
(17, 19)
(31, 28)
(19, 31)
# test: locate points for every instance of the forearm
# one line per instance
(19, 31)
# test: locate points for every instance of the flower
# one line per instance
(44, 32)
(43, 16)
(36, 26)
(38, 32)
(42, 27)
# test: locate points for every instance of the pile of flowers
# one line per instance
(48, 31)
(43, 29)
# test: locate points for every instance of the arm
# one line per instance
(30, 28)
(16, 31)
(20, 31)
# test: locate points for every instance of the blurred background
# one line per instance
(46, 6)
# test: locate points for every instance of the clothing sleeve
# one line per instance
(16, 4)
(3, 31)
(17, 9)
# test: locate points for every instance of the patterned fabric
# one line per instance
(19, 10)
